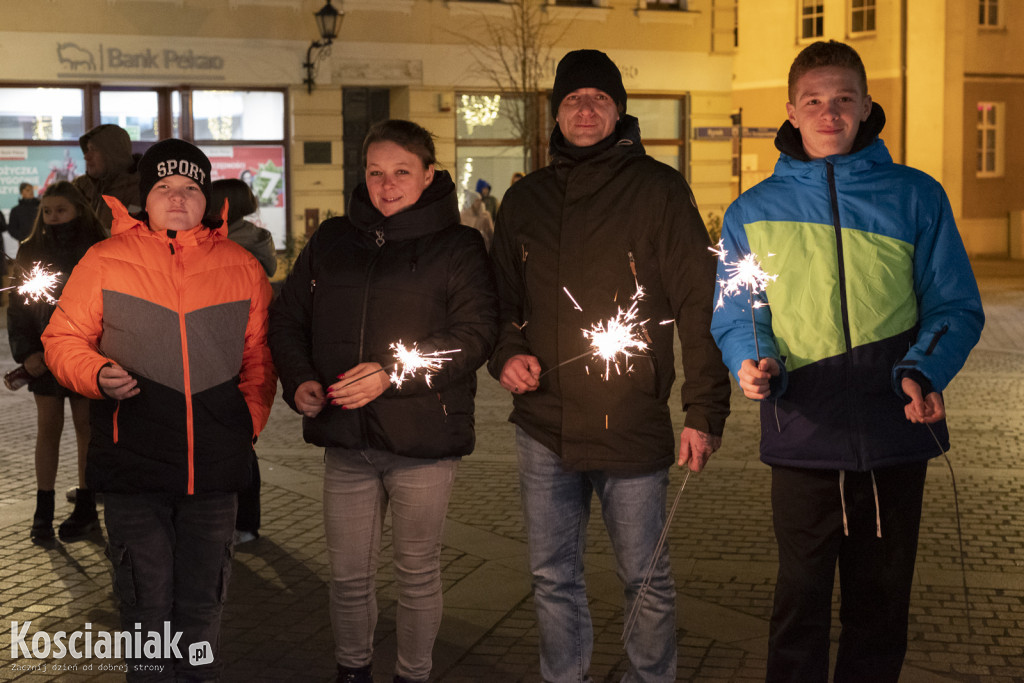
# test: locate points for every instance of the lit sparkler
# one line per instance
(409, 361)
(620, 335)
(38, 285)
(745, 274)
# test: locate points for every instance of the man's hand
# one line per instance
(309, 398)
(922, 409)
(116, 383)
(521, 374)
(358, 386)
(754, 378)
(35, 364)
(695, 447)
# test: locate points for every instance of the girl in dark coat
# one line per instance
(397, 268)
(64, 229)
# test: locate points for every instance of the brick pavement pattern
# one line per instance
(276, 626)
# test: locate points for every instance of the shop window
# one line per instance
(137, 111)
(42, 113)
(488, 138)
(990, 128)
(862, 16)
(812, 19)
(662, 125)
(238, 115)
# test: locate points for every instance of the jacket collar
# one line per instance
(625, 141)
(436, 209)
(124, 222)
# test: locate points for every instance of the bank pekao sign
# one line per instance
(80, 59)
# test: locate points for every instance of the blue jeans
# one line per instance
(171, 557)
(359, 486)
(556, 506)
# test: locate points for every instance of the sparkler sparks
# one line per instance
(39, 285)
(409, 361)
(622, 334)
(743, 274)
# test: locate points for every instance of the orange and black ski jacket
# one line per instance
(187, 317)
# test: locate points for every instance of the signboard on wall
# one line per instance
(40, 166)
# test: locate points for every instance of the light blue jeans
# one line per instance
(556, 506)
(358, 488)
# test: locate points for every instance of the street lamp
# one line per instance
(328, 22)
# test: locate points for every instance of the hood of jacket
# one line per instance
(115, 146)
(436, 209)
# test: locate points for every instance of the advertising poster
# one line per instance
(262, 168)
(40, 166)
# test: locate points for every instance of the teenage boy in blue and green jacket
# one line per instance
(873, 312)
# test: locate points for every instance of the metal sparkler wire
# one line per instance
(959, 530)
(634, 613)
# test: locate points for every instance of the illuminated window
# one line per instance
(990, 139)
(862, 16)
(812, 19)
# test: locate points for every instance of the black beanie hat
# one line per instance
(587, 69)
(173, 157)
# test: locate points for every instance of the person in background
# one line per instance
(475, 216)
(241, 203)
(110, 169)
(398, 267)
(873, 310)
(164, 325)
(64, 230)
(483, 188)
(260, 243)
(574, 241)
(23, 215)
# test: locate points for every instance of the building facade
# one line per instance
(948, 74)
(229, 75)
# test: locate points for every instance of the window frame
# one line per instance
(816, 15)
(986, 8)
(867, 6)
(995, 130)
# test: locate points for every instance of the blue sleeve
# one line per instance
(949, 304)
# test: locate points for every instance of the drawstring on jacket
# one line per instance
(842, 503)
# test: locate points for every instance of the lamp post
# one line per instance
(328, 22)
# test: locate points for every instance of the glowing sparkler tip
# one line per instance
(409, 361)
(39, 285)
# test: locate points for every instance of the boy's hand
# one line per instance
(922, 409)
(754, 378)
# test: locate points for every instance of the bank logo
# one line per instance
(75, 56)
(200, 653)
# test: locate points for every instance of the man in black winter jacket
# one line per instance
(603, 229)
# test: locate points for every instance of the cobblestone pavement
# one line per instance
(276, 626)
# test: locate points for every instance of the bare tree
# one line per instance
(514, 53)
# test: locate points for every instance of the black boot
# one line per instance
(42, 521)
(360, 675)
(83, 519)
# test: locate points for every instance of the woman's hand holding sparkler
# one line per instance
(371, 381)
(922, 409)
(755, 376)
(695, 447)
(521, 374)
(116, 383)
(310, 398)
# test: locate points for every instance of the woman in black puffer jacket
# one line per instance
(397, 268)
